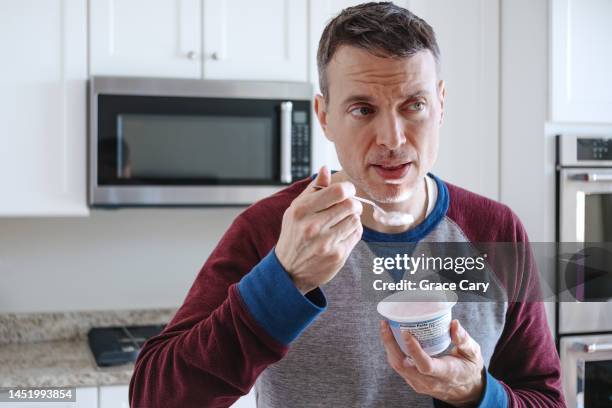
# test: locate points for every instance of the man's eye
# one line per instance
(361, 111)
(417, 106)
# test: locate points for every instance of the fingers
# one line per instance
(343, 229)
(355, 236)
(465, 344)
(323, 199)
(337, 213)
(323, 177)
(422, 361)
(395, 355)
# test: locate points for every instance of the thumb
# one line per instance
(323, 177)
(463, 341)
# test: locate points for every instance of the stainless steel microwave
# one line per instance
(183, 142)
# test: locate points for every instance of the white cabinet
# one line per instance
(146, 38)
(43, 107)
(581, 64)
(114, 396)
(87, 397)
(212, 39)
(245, 39)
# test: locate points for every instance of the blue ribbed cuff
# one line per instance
(275, 303)
(494, 395)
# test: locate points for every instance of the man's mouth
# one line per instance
(392, 171)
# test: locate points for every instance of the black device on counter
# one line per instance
(120, 344)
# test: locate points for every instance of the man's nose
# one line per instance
(390, 132)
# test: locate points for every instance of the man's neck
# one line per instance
(416, 205)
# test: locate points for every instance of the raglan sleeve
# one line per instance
(240, 316)
(525, 365)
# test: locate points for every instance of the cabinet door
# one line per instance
(114, 396)
(581, 89)
(43, 107)
(263, 40)
(154, 38)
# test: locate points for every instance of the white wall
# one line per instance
(133, 258)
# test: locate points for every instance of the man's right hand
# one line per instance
(319, 230)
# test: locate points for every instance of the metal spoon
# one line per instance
(390, 218)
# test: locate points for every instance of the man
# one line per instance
(258, 311)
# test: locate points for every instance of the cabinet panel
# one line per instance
(146, 38)
(114, 396)
(581, 88)
(43, 107)
(255, 40)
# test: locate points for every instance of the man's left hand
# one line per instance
(456, 378)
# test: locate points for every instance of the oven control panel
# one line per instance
(594, 149)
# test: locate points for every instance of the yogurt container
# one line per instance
(427, 316)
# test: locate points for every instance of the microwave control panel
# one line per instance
(300, 146)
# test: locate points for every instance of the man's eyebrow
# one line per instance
(368, 99)
(357, 98)
(420, 92)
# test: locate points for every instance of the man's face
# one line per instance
(384, 116)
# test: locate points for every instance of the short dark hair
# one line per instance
(383, 29)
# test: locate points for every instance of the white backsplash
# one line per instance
(114, 259)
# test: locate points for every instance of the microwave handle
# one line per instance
(286, 110)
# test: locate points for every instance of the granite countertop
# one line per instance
(43, 350)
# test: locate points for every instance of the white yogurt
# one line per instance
(393, 218)
(426, 316)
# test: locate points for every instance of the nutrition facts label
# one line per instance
(431, 332)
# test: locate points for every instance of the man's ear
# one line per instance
(320, 108)
(441, 96)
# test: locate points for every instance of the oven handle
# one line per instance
(593, 347)
(592, 177)
(286, 109)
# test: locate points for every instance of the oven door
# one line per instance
(586, 217)
(586, 364)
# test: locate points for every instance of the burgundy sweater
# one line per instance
(219, 341)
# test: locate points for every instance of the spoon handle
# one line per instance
(363, 200)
